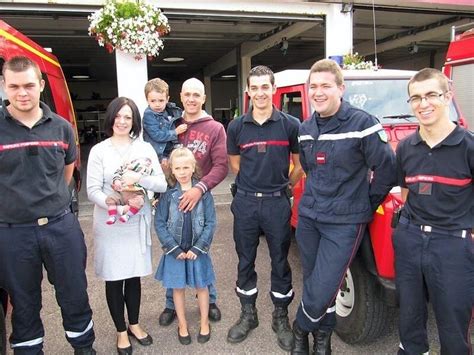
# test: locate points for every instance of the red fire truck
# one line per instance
(459, 67)
(365, 303)
(55, 94)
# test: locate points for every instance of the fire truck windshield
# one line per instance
(384, 98)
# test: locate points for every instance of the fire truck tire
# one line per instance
(3, 335)
(361, 315)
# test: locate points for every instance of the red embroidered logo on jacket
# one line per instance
(320, 158)
(437, 179)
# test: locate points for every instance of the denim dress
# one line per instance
(179, 232)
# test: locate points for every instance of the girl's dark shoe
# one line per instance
(146, 341)
(204, 338)
(184, 340)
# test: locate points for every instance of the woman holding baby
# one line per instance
(123, 248)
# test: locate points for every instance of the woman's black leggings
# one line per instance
(123, 292)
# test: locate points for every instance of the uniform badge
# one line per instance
(320, 158)
(383, 135)
(262, 148)
(424, 188)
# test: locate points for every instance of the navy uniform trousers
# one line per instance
(326, 251)
(59, 247)
(439, 267)
(252, 217)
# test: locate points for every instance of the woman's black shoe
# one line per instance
(186, 340)
(125, 351)
(148, 340)
(204, 338)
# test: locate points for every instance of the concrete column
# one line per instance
(132, 75)
(244, 67)
(338, 31)
(207, 87)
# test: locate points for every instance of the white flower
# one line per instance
(140, 34)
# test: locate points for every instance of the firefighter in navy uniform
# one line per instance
(434, 248)
(350, 169)
(37, 228)
(259, 145)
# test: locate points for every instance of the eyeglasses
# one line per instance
(430, 98)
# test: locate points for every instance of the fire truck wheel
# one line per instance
(361, 315)
(3, 335)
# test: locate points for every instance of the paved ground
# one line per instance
(262, 339)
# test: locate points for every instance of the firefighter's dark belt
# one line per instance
(261, 194)
(37, 223)
(429, 229)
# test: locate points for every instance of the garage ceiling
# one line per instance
(203, 39)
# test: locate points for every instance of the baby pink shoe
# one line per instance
(111, 220)
(124, 218)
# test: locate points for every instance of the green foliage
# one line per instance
(128, 9)
(353, 58)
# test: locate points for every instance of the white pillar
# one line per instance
(208, 103)
(132, 75)
(244, 69)
(338, 31)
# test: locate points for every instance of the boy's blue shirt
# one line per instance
(169, 222)
(159, 127)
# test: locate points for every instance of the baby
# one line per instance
(131, 197)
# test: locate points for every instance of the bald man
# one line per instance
(206, 138)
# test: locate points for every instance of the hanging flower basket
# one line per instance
(356, 62)
(134, 27)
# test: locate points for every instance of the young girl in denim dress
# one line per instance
(186, 238)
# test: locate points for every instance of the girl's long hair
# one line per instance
(183, 152)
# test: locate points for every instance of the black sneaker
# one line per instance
(167, 317)
(214, 312)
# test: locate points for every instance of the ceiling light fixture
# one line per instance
(228, 76)
(347, 7)
(173, 59)
(81, 77)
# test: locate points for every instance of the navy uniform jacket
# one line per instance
(32, 162)
(338, 160)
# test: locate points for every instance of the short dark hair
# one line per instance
(19, 64)
(114, 107)
(261, 70)
(430, 73)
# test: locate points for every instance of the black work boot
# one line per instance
(322, 342)
(241, 329)
(301, 344)
(89, 350)
(281, 326)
